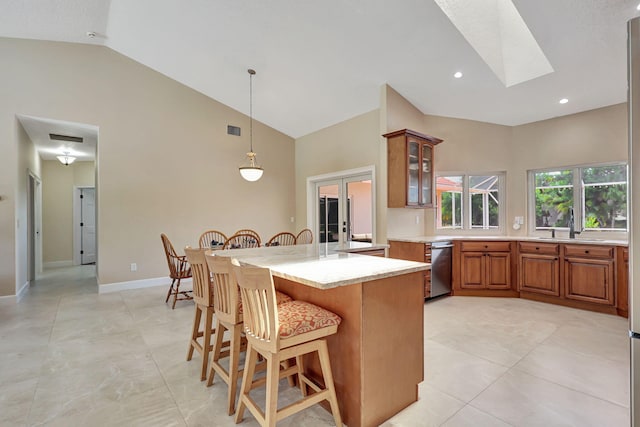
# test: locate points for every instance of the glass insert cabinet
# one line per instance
(410, 169)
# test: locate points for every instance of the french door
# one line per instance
(344, 209)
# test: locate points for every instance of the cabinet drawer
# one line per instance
(486, 246)
(539, 248)
(588, 251)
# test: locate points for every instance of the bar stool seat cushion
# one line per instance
(299, 317)
(281, 298)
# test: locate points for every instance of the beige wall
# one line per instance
(28, 163)
(475, 147)
(164, 161)
(348, 145)
(594, 136)
(58, 182)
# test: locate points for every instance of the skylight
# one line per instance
(495, 29)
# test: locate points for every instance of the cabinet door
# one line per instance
(426, 175)
(498, 270)
(589, 280)
(539, 274)
(472, 270)
(413, 172)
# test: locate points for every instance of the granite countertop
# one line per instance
(324, 265)
(582, 240)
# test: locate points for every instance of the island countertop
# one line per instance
(324, 265)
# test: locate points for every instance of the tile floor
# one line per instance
(71, 357)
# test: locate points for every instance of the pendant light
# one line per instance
(66, 159)
(251, 171)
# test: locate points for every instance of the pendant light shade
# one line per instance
(66, 159)
(251, 171)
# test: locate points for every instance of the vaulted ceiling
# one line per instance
(321, 62)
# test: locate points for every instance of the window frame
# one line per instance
(578, 200)
(466, 204)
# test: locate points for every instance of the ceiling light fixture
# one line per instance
(457, 75)
(251, 171)
(638, 7)
(66, 159)
(564, 101)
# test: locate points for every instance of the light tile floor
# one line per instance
(72, 357)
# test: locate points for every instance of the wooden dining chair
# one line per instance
(251, 232)
(304, 237)
(278, 333)
(241, 241)
(229, 309)
(212, 239)
(204, 299)
(282, 239)
(178, 269)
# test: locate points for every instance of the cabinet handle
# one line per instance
(486, 247)
(537, 248)
(555, 259)
(586, 252)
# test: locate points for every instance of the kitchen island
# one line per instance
(377, 356)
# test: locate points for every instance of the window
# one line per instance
(597, 194)
(482, 209)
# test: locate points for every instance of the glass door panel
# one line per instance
(426, 175)
(414, 173)
(344, 210)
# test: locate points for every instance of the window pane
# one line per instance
(554, 178)
(553, 198)
(605, 197)
(484, 203)
(449, 194)
(604, 174)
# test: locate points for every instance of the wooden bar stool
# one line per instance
(203, 297)
(278, 333)
(228, 308)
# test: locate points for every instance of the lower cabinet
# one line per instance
(413, 251)
(589, 274)
(539, 268)
(485, 265)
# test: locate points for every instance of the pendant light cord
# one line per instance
(251, 73)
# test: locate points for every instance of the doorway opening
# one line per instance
(341, 205)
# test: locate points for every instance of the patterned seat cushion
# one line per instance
(298, 317)
(281, 298)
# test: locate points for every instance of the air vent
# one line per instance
(233, 130)
(56, 137)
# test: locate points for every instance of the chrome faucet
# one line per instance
(572, 229)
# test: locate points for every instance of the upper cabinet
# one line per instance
(410, 178)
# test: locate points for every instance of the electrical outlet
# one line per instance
(417, 219)
(293, 220)
(134, 266)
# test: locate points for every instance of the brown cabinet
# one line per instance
(589, 274)
(485, 265)
(410, 179)
(413, 251)
(539, 268)
(622, 281)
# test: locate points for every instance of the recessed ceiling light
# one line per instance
(564, 101)
(457, 75)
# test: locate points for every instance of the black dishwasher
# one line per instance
(440, 268)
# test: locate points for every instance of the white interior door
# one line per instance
(88, 225)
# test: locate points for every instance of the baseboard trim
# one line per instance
(8, 299)
(138, 284)
(22, 291)
(58, 264)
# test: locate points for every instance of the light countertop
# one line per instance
(324, 265)
(580, 240)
